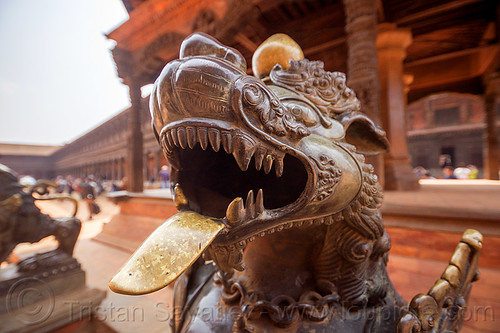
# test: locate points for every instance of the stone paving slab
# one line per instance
(151, 313)
(473, 197)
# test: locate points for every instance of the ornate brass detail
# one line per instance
(283, 310)
(443, 308)
(301, 248)
(328, 177)
(274, 116)
(326, 90)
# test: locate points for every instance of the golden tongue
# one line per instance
(167, 252)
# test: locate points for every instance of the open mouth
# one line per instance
(226, 173)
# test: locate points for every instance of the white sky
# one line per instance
(57, 76)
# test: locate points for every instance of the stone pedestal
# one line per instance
(391, 45)
(140, 214)
(45, 292)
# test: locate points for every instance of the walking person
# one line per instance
(88, 194)
(164, 176)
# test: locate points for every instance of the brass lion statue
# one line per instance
(21, 221)
(279, 226)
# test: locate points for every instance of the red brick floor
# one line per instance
(410, 275)
(124, 314)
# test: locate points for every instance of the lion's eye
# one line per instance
(302, 113)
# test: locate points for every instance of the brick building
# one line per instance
(395, 53)
(451, 124)
(101, 152)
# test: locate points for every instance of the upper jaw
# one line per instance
(226, 173)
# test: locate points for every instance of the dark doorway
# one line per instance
(450, 151)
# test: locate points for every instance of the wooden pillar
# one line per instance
(491, 99)
(134, 140)
(117, 175)
(157, 166)
(114, 169)
(126, 66)
(391, 46)
(145, 169)
(109, 170)
(122, 168)
(362, 70)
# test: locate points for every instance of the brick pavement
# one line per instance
(150, 312)
(478, 196)
(124, 314)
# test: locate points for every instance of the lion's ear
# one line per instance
(362, 132)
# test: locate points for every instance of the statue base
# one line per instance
(45, 292)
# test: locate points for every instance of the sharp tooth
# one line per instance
(259, 202)
(181, 134)
(235, 211)
(259, 157)
(191, 137)
(175, 139)
(227, 142)
(164, 144)
(268, 163)
(243, 152)
(202, 137)
(250, 205)
(170, 142)
(278, 166)
(180, 199)
(214, 137)
(166, 147)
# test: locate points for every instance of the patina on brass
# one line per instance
(293, 238)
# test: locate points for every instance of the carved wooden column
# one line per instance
(116, 175)
(134, 140)
(157, 166)
(126, 68)
(491, 98)
(391, 45)
(122, 167)
(145, 169)
(362, 70)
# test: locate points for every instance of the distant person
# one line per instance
(448, 173)
(61, 184)
(445, 161)
(164, 176)
(69, 184)
(419, 172)
(462, 172)
(474, 171)
(428, 175)
(88, 193)
(115, 187)
(124, 184)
